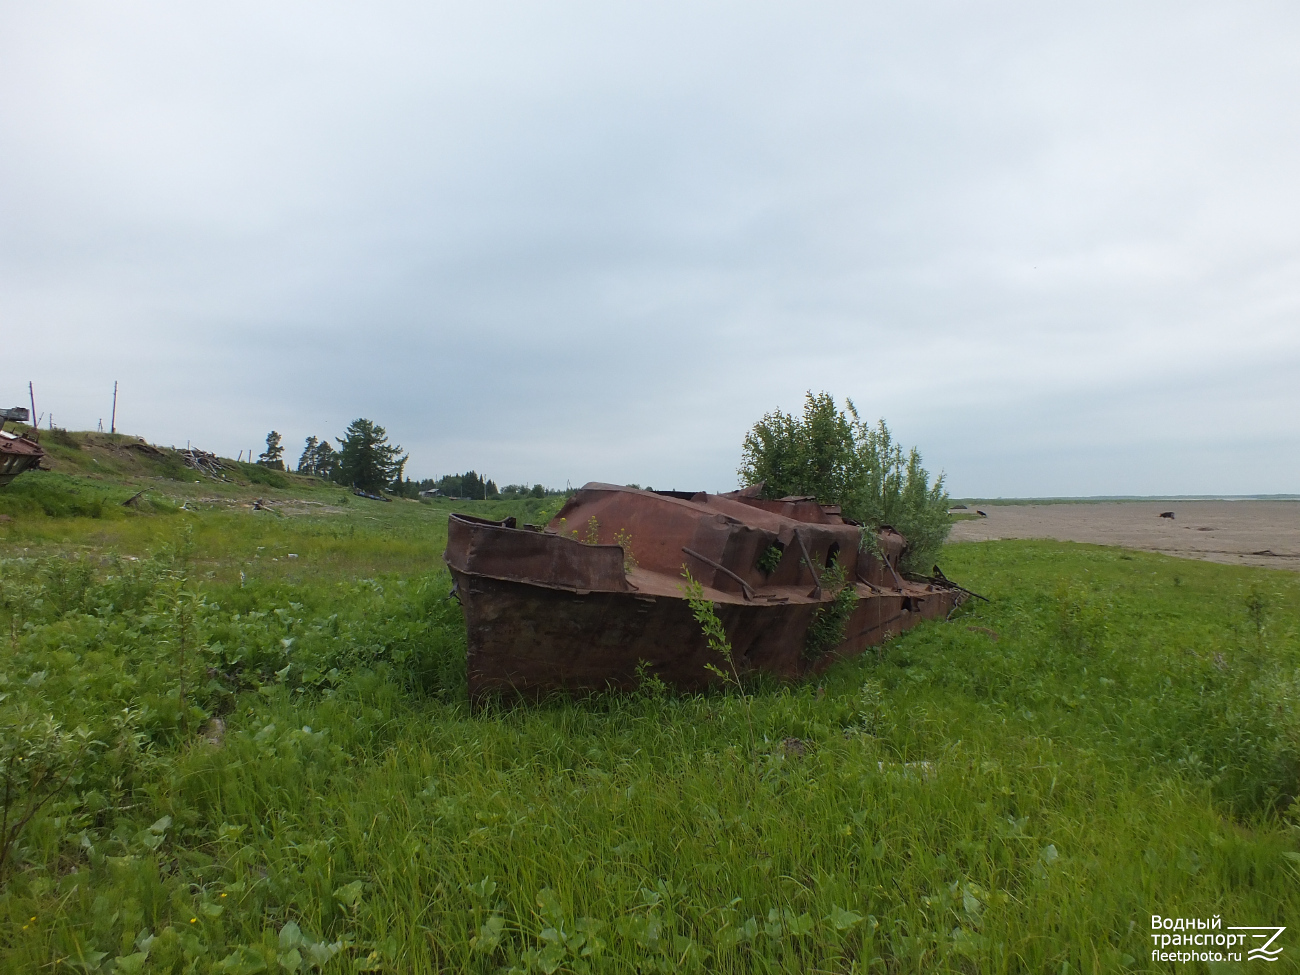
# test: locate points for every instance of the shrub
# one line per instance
(838, 459)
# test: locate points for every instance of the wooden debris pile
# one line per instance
(203, 462)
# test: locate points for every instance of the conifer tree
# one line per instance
(366, 459)
(318, 459)
(273, 456)
(308, 452)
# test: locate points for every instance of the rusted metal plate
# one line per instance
(17, 454)
(580, 605)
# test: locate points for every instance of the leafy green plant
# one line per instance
(827, 629)
(770, 558)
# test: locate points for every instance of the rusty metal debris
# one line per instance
(17, 453)
(596, 599)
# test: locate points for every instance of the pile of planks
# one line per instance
(203, 462)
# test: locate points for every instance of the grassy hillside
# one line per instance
(1017, 790)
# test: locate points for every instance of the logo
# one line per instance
(1261, 952)
(1208, 939)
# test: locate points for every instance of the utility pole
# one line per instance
(112, 424)
(30, 392)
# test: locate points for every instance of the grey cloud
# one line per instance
(579, 242)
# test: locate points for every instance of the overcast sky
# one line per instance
(1058, 250)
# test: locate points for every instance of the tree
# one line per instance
(835, 457)
(472, 486)
(318, 459)
(511, 491)
(273, 456)
(366, 459)
(308, 455)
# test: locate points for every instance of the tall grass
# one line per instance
(1016, 790)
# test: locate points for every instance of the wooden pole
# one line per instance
(112, 424)
(32, 394)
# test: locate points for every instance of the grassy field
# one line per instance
(250, 734)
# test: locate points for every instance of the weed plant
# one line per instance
(827, 628)
(1016, 790)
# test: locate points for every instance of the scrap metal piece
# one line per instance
(807, 561)
(565, 609)
(744, 586)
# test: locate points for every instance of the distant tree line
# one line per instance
(467, 485)
(471, 484)
(366, 460)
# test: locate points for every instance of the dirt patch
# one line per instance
(1262, 533)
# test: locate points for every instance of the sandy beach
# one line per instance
(1263, 533)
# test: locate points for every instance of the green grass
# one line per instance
(1127, 745)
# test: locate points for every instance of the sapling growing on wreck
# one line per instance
(623, 539)
(715, 635)
(836, 457)
(827, 629)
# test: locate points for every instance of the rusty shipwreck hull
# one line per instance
(581, 605)
(17, 454)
